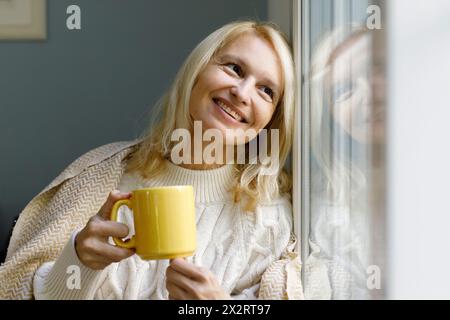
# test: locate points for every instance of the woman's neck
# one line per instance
(201, 166)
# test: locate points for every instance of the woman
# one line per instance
(240, 78)
(347, 128)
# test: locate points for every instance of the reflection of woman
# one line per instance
(239, 77)
(344, 123)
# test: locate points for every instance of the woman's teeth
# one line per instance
(228, 110)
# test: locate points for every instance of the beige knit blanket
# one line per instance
(47, 222)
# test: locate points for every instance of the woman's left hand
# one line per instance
(186, 281)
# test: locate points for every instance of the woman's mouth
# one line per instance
(227, 110)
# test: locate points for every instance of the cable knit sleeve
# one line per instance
(66, 278)
(267, 232)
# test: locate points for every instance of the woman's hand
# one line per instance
(186, 281)
(91, 243)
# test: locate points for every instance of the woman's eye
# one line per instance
(269, 92)
(235, 68)
(342, 92)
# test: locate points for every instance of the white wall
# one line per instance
(280, 12)
(419, 149)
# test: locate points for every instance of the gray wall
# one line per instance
(80, 89)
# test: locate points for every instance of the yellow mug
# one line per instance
(164, 222)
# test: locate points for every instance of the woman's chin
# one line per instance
(219, 124)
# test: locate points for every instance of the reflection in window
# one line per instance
(344, 89)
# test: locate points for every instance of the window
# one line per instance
(340, 139)
(369, 158)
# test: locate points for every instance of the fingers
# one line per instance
(98, 227)
(112, 229)
(113, 197)
(95, 261)
(188, 269)
(195, 283)
(113, 253)
(96, 253)
(180, 280)
(110, 253)
(175, 292)
(91, 244)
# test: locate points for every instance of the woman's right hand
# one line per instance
(91, 243)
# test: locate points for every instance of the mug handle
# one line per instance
(128, 244)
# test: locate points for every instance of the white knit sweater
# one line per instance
(236, 246)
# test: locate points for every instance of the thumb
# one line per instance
(113, 197)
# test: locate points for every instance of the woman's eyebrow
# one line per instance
(245, 65)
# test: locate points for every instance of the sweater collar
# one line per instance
(209, 185)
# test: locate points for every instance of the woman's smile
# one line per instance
(229, 116)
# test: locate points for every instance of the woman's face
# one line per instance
(238, 89)
(353, 104)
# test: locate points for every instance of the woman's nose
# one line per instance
(241, 92)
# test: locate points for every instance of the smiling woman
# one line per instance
(240, 78)
(233, 90)
(247, 67)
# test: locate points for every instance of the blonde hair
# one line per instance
(173, 108)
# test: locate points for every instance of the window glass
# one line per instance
(343, 90)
